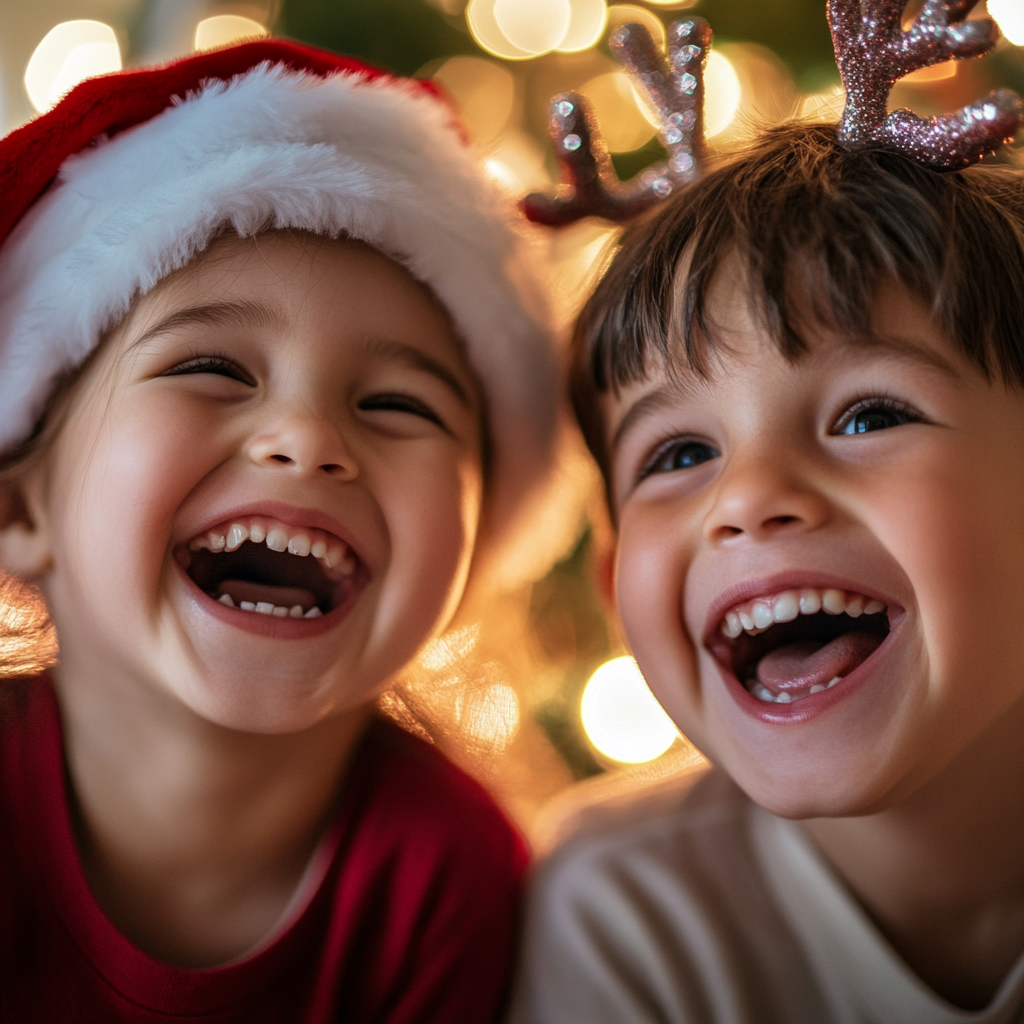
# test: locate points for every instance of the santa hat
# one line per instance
(132, 174)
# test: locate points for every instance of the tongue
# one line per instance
(285, 597)
(807, 663)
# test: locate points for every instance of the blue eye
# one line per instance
(875, 414)
(681, 455)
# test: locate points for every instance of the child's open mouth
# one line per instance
(266, 567)
(787, 646)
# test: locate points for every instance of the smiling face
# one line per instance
(265, 494)
(821, 561)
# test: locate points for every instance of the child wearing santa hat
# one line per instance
(274, 386)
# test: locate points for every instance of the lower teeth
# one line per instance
(762, 692)
(266, 608)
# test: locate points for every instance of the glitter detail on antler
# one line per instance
(675, 88)
(874, 52)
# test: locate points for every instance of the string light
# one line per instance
(536, 26)
(484, 29)
(624, 125)
(484, 91)
(1009, 14)
(586, 25)
(621, 716)
(68, 54)
(722, 95)
(225, 29)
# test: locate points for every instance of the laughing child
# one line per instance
(273, 387)
(803, 378)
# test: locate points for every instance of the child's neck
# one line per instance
(942, 873)
(194, 838)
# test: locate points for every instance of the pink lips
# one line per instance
(267, 625)
(812, 704)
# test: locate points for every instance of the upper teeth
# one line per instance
(756, 616)
(298, 540)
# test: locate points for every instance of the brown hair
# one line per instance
(816, 228)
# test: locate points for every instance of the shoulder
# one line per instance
(652, 906)
(687, 831)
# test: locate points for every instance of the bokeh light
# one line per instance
(1009, 14)
(624, 123)
(489, 37)
(225, 29)
(586, 26)
(621, 717)
(722, 94)
(536, 26)
(484, 92)
(68, 54)
(936, 73)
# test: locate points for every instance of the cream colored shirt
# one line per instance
(688, 904)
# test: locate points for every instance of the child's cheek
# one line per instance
(136, 462)
(652, 562)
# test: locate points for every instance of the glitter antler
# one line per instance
(874, 52)
(675, 87)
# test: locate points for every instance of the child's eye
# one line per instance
(401, 403)
(219, 365)
(680, 455)
(875, 414)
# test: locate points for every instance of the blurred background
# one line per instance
(535, 695)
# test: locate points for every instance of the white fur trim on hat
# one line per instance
(374, 160)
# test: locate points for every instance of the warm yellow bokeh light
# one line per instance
(1009, 14)
(68, 54)
(586, 26)
(624, 124)
(722, 94)
(484, 29)
(484, 92)
(936, 73)
(536, 26)
(621, 716)
(225, 29)
(625, 14)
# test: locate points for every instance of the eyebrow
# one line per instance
(418, 360)
(242, 313)
(664, 396)
(910, 350)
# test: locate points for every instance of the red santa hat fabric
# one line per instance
(133, 174)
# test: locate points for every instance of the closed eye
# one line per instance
(679, 454)
(219, 365)
(871, 414)
(401, 403)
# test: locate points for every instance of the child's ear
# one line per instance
(24, 541)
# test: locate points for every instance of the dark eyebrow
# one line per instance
(412, 356)
(908, 349)
(676, 388)
(242, 313)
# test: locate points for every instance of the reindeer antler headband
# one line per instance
(873, 51)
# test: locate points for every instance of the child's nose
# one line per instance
(306, 444)
(760, 499)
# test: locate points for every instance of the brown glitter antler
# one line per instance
(874, 52)
(675, 86)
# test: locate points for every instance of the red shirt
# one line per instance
(414, 919)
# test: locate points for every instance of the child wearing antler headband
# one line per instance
(274, 385)
(803, 378)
